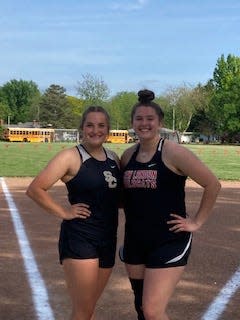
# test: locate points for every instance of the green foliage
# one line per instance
(164, 103)
(77, 108)
(1, 132)
(201, 120)
(92, 90)
(225, 103)
(55, 109)
(19, 96)
(226, 72)
(4, 111)
(183, 103)
(77, 105)
(212, 108)
(120, 107)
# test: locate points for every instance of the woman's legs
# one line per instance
(136, 275)
(159, 286)
(85, 282)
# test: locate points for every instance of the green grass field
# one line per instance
(27, 159)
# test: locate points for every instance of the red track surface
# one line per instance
(215, 258)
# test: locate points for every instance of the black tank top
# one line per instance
(151, 192)
(97, 184)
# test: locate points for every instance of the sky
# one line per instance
(129, 44)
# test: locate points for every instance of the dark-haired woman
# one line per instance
(88, 231)
(158, 231)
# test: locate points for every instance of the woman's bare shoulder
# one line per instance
(127, 154)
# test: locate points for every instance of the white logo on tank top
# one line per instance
(152, 165)
(110, 179)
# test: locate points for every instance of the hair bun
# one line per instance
(145, 96)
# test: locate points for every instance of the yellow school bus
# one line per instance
(18, 134)
(119, 136)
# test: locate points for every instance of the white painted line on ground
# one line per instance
(218, 306)
(36, 282)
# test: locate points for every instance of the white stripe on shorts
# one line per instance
(183, 253)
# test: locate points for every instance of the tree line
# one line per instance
(212, 108)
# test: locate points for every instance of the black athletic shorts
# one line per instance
(173, 253)
(76, 245)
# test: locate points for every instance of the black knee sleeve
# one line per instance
(137, 287)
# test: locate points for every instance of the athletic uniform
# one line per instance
(97, 184)
(151, 193)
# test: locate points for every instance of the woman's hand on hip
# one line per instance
(179, 224)
(78, 210)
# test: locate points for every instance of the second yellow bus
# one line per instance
(119, 136)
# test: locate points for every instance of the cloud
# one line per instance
(129, 5)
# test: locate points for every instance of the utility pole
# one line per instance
(173, 117)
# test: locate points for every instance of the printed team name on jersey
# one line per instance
(140, 179)
(110, 179)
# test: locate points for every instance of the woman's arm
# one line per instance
(61, 167)
(184, 162)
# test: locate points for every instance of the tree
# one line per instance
(120, 107)
(77, 107)
(183, 103)
(4, 112)
(54, 108)
(19, 96)
(201, 120)
(225, 103)
(92, 89)
(167, 109)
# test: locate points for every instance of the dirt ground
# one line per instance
(214, 260)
